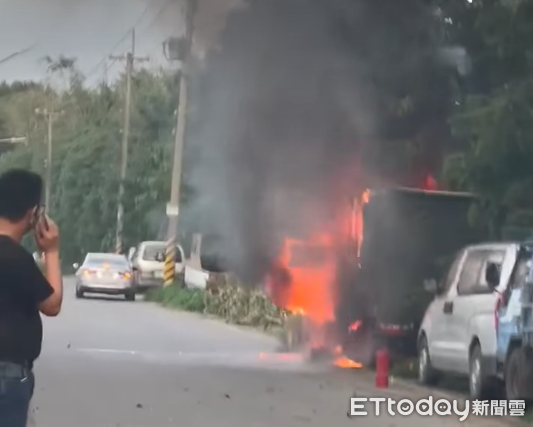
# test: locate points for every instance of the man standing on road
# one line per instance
(24, 290)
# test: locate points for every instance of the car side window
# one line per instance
(494, 257)
(472, 278)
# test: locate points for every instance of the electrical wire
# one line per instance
(15, 54)
(122, 39)
(157, 15)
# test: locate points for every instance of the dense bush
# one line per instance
(177, 297)
(226, 298)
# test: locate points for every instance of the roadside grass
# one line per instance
(179, 298)
(234, 304)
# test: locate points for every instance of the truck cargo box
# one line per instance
(409, 236)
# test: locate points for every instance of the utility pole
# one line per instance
(49, 116)
(130, 60)
(178, 49)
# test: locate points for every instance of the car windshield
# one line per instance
(154, 253)
(113, 261)
(157, 253)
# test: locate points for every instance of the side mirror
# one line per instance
(131, 252)
(492, 275)
(431, 286)
(75, 266)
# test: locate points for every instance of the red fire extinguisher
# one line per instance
(382, 368)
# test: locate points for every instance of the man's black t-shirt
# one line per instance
(22, 288)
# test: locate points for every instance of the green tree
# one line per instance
(492, 123)
(86, 152)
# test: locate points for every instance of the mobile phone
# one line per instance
(45, 220)
(42, 216)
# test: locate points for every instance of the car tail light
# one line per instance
(88, 273)
(125, 275)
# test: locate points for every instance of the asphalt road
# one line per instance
(108, 362)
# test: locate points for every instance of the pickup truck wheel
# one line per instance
(426, 374)
(294, 333)
(518, 375)
(130, 296)
(79, 293)
(481, 385)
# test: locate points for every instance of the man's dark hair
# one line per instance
(20, 190)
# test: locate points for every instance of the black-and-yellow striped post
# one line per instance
(170, 263)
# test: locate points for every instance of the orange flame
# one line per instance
(355, 326)
(303, 279)
(344, 362)
(311, 277)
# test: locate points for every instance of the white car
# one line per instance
(148, 263)
(104, 273)
(458, 333)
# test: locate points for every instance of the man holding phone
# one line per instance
(25, 291)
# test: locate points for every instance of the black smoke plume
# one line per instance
(300, 93)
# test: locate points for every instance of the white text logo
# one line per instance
(359, 406)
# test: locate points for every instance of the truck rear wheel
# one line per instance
(519, 374)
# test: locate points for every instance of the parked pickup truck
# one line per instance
(459, 333)
(148, 262)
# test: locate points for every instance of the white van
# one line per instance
(458, 332)
(148, 263)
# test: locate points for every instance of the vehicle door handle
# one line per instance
(448, 307)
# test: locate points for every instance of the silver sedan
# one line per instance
(103, 273)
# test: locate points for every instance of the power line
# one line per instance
(157, 15)
(125, 36)
(107, 66)
(15, 54)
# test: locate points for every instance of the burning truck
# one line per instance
(357, 285)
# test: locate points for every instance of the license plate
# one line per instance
(104, 274)
(158, 274)
(107, 285)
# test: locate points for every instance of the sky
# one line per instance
(89, 30)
